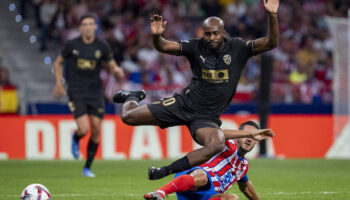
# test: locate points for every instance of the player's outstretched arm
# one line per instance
(254, 134)
(248, 190)
(117, 71)
(271, 40)
(159, 42)
(59, 89)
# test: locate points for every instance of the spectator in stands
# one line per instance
(47, 12)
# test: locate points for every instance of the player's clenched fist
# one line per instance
(59, 91)
(157, 25)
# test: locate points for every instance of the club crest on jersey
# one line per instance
(98, 54)
(227, 59)
(75, 52)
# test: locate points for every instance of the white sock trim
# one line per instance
(161, 191)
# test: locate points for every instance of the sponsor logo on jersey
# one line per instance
(215, 76)
(86, 64)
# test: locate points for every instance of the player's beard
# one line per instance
(215, 48)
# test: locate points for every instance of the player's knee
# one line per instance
(213, 149)
(200, 178)
(95, 134)
(127, 118)
(216, 147)
(227, 196)
(232, 197)
(83, 130)
(95, 130)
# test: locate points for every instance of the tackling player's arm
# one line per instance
(159, 42)
(58, 65)
(115, 69)
(248, 190)
(254, 134)
(271, 40)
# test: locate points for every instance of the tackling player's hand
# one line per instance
(157, 25)
(59, 91)
(263, 134)
(271, 6)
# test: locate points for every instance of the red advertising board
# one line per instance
(49, 137)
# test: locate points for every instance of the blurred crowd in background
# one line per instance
(302, 64)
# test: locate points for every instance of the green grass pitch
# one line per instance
(273, 179)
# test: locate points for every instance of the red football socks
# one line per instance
(215, 198)
(179, 184)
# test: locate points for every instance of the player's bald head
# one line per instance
(213, 22)
(213, 33)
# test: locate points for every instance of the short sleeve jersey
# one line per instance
(215, 76)
(84, 64)
(227, 167)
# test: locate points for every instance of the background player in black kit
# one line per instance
(84, 56)
(216, 62)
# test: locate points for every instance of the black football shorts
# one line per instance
(87, 104)
(172, 112)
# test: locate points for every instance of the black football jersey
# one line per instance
(215, 76)
(83, 62)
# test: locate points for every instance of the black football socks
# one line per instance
(92, 148)
(177, 166)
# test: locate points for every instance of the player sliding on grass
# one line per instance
(216, 62)
(212, 179)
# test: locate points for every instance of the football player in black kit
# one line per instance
(83, 57)
(216, 62)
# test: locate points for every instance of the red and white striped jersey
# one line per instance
(227, 167)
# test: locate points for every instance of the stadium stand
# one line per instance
(302, 68)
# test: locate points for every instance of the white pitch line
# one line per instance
(79, 195)
(134, 194)
(290, 193)
(308, 192)
(66, 195)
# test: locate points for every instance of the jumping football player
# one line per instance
(216, 62)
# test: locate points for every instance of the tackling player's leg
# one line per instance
(182, 182)
(188, 184)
